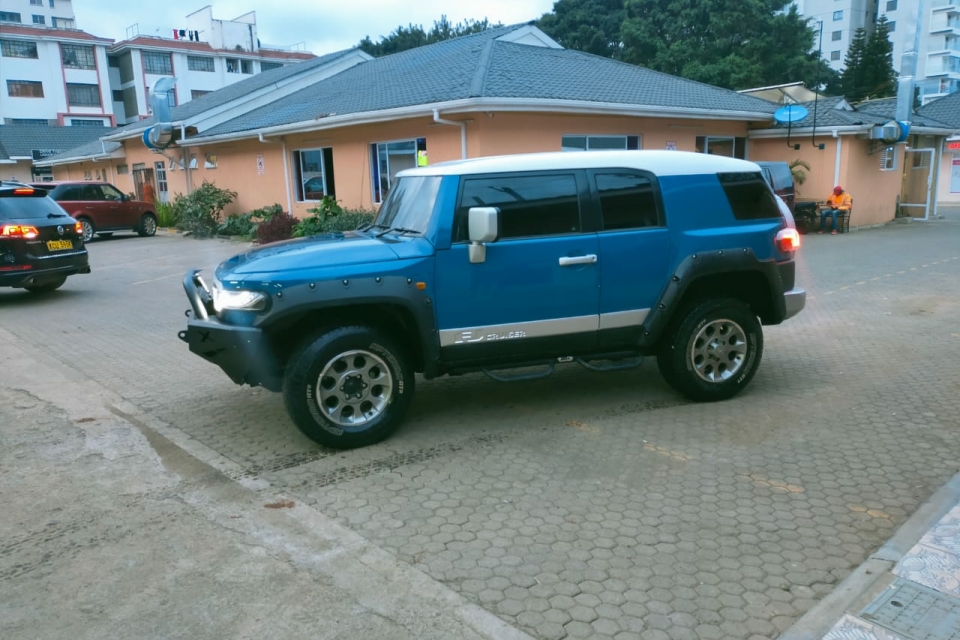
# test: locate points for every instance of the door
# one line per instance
(918, 181)
(537, 292)
(635, 250)
(123, 213)
(94, 205)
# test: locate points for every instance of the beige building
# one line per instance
(344, 124)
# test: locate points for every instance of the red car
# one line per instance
(102, 208)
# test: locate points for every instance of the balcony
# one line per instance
(947, 6)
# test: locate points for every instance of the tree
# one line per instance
(736, 45)
(587, 25)
(852, 79)
(413, 35)
(879, 76)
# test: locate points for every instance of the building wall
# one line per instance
(874, 192)
(62, 10)
(20, 171)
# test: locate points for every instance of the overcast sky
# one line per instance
(324, 25)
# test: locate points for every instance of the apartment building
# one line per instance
(42, 13)
(938, 62)
(52, 74)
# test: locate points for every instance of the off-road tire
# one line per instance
(676, 358)
(302, 395)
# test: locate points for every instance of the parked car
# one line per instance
(780, 178)
(101, 208)
(500, 263)
(40, 244)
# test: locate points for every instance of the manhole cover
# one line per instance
(915, 612)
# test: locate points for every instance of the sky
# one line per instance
(322, 25)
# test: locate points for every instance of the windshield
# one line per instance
(25, 207)
(409, 204)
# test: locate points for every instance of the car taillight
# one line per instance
(78, 228)
(19, 231)
(26, 191)
(788, 240)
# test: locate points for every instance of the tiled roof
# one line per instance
(479, 66)
(203, 47)
(95, 148)
(835, 112)
(57, 34)
(20, 140)
(237, 90)
(945, 109)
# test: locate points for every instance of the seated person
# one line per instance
(838, 202)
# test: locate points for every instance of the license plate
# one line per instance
(59, 245)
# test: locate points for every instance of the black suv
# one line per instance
(40, 244)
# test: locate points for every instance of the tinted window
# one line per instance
(541, 205)
(627, 201)
(410, 203)
(111, 192)
(90, 192)
(66, 193)
(749, 196)
(19, 207)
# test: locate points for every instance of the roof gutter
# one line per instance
(463, 131)
(95, 157)
(844, 130)
(514, 105)
(128, 135)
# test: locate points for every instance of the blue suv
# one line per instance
(508, 264)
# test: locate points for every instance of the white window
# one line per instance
(731, 147)
(18, 49)
(837, 15)
(267, 66)
(597, 143)
(835, 55)
(891, 5)
(888, 159)
(77, 56)
(157, 63)
(388, 158)
(38, 3)
(162, 193)
(83, 95)
(39, 19)
(210, 161)
(200, 63)
(233, 65)
(836, 35)
(314, 169)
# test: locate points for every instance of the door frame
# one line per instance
(932, 169)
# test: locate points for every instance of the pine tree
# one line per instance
(879, 76)
(853, 80)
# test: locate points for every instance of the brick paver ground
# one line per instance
(593, 505)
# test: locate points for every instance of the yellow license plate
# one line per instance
(59, 245)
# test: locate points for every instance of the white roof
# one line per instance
(660, 163)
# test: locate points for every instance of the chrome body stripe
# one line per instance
(620, 319)
(541, 328)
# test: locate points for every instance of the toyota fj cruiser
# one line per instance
(503, 264)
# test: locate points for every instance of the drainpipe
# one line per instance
(286, 169)
(836, 167)
(186, 160)
(463, 131)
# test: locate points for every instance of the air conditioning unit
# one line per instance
(889, 133)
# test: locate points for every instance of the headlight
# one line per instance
(224, 299)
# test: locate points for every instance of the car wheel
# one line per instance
(88, 229)
(714, 350)
(46, 286)
(148, 225)
(349, 387)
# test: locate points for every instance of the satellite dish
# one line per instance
(790, 113)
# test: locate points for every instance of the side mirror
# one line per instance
(483, 223)
(124, 197)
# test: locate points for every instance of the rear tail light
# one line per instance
(788, 240)
(25, 191)
(18, 231)
(78, 228)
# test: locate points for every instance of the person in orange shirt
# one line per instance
(838, 202)
(149, 194)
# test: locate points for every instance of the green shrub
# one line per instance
(200, 212)
(166, 216)
(328, 216)
(245, 224)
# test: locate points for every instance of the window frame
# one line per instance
(7, 48)
(723, 177)
(891, 5)
(271, 65)
(888, 160)
(11, 16)
(326, 173)
(835, 55)
(708, 138)
(30, 83)
(838, 15)
(584, 203)
(198, 93)
(85, 85)
(192, 60)
(836, 36)
(596, 202)
(374, 148)
(587, 136)
(155, 56)
(39, 19)
(79, 50)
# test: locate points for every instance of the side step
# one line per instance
(613, 365)
(614, 362)
(522, 377)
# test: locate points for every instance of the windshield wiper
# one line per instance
(58, 215)
(400, 230)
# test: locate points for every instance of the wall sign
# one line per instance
(671, 145)
(955, 174)
(261, 168)
(953, 145)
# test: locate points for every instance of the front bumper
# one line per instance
(241, 352)
(796, 300)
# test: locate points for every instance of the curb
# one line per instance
(873, 575)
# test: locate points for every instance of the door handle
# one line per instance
(567, 261)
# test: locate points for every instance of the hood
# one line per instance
(323, 250)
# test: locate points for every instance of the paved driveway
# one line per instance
(589, 505)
